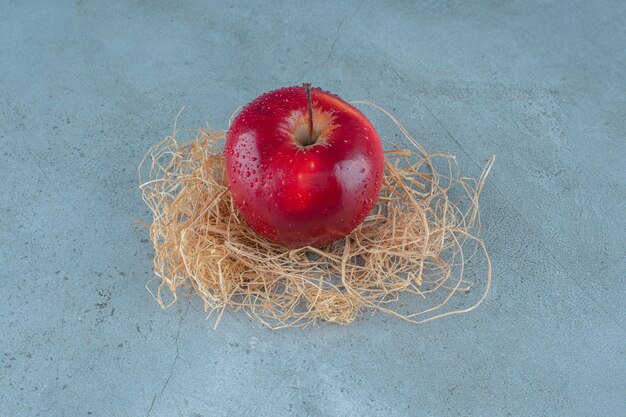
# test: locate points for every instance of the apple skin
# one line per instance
(298, 195)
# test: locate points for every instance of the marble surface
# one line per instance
(86, 87)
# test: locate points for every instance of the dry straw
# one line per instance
(408, 258)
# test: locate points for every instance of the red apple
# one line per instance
(297, 187)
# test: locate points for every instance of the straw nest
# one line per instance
(409, 258)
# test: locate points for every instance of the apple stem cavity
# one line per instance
(310, 140)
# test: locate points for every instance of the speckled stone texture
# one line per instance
(86, 87)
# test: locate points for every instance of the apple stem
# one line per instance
(307, 90)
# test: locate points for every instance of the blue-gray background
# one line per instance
(87, 86)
